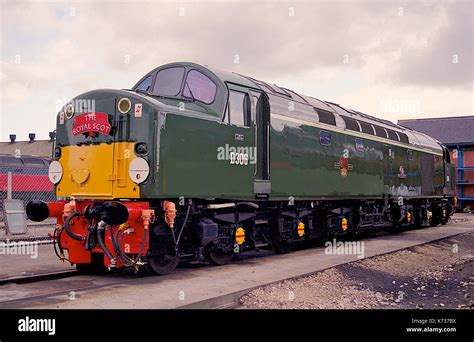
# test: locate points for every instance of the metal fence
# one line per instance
(26, 183)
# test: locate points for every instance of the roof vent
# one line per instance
(32, 137)
(12, 138)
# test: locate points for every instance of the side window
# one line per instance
(237, 108)
(145, 84)
(326, 117)
(351, 124)
(200, 87)
(366, 127)
(325, 138)
(168, 81)
(380, 132)
(392, 135)
(403, 138)
(410, 155)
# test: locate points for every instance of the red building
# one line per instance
(456, 133)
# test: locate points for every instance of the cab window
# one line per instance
(145, 84)
(238, 108)
(168, 81)
(199, 87)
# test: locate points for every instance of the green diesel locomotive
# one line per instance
(198, 163)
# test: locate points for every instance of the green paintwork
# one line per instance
(184, 137)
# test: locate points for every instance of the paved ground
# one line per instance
(200, 286)
(44, 262)
(435, 275)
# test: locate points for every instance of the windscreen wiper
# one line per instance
(141, 91)
(189, 88)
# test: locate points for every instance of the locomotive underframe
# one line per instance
(99, 235)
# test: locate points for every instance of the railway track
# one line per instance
(69, 290)
(25, 279)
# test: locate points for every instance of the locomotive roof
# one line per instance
(415, 138)
(322, 108)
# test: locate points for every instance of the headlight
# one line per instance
(124, 105)
(141, 148)
(138, 170)
(57, 152)
(69, 110)
(55, 172)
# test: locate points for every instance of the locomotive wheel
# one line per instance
(162, 264)
(220, 258)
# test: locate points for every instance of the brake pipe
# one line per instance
(68, 229)
(57, 244)
(124, 259)
(141, 247)
(183, 226)
(100, 228)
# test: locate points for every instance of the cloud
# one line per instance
(359, 52)
(445, 58)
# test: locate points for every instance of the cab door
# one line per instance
(261, 112)
(240, 139)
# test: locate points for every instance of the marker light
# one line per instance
(138, 170)
(55, 172)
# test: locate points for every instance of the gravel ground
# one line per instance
(435, 275)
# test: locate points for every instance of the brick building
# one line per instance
(457, 133)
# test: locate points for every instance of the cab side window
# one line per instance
(145, 84)
(238, 108)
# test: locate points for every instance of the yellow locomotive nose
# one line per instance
(97, 171)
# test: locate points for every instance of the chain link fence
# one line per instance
(26, 182)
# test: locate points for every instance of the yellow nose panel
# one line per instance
(80, 176)
(97, 171)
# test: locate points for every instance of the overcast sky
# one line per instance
(406, 59)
